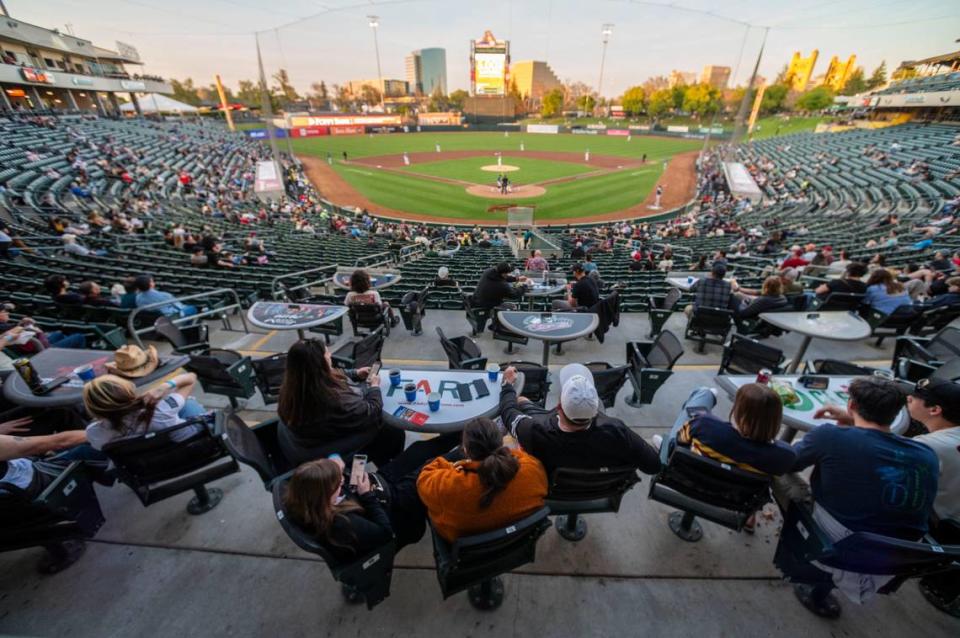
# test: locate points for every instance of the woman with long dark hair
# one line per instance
(352, 520)
(324, 410)
(492, 487)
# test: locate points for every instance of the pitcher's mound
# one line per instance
(499, 168)
(516, 192)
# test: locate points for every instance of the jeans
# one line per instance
(701, 397)
(191, 408)
(59, 340)
(188, 311)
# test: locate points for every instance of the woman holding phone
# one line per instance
(324, 410)
(355, 517)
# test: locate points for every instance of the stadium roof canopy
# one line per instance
(30, 34)
(946, 59)
(156, 103)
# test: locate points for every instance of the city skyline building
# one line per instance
(426, 71)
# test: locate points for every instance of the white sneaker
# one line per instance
(657, 441)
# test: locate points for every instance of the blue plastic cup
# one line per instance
(394, 377)
(85, 373)
(410, 392)
(434, 400)
(492, 371)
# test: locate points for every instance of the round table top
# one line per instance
(837, 325)
(454, 413)
(549, 326)
(378, 279)
(539, 289)
(800, 415)
(281, 315)
(60, 362)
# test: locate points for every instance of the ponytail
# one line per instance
(483, 442)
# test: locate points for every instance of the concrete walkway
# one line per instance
(232, 572)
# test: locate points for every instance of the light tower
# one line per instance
(374, 22)
(605, 31)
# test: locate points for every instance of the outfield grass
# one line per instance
(471, 169)
(397, 143)
(582, 197)
(776, 126)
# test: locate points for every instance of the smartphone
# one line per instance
(813, 315)
(812, 382)
(358, 468)
(51, 385)
(374, 370)
(293, 306)
(481, 387)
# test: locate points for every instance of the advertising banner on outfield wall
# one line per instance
(678, 129)
(343, 120)
(261, 133)
(618, 131)
(642, 128)
(543, 128)
(309, 131)
(584, 131)
(439, 119)
(346, 130)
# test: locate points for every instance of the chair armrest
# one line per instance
(875, 318)
(806, 538)
(476, 363)
(341, 361)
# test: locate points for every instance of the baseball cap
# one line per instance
(943, 393)
(578, 395)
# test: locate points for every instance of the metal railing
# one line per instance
(218, 311)
(277, 291)
(371, 261)
(409, 252)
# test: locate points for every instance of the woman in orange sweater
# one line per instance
(493, 487)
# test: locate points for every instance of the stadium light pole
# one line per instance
(605, 32)
(739, 124)
(374, 22)
(267, 109)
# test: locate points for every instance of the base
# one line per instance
(351, 594)
(60, 556)
(200, 505)
(487, 595)
(575, 533)
(691, 533)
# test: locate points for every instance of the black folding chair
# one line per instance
(743, 355)
(942, 346)
(476, 317)
(364, 579)
(358, 354)
(257, 446)
(650, 364)
(65, 514)
(474, 563)
(700, 486)
(366, 318)
(608, 380)
(224, 372)
(839, 301)
(268, 375)
(536, 380)
(463, 353)
(186, 339)
(894, 324)
(709, 325)
(157, 467)
(660, 309)
(576, 491)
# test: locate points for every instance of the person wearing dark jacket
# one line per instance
(771, 298)
(325, 410)
(351, 520)
(495, 286)
(574, 434)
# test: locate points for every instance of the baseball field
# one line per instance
(454, 175)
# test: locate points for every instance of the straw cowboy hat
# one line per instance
(132, 362)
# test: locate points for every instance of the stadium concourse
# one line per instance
(103, 204)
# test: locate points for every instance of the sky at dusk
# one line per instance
(331, 40)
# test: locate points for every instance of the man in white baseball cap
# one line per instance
(575, 434)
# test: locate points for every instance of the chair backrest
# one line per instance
(949, 370)
(712, 483)
(473, 559)
(536, 379)
(156, 466)
(257, 447)
(945, 344)
(369, 574)
(711, 320)
(938, 318)
(672, 297)
(212, 367)
(841, 301)
(835, 366)
(608, 380)
(665, 351)
(366, 315)
(744, 355)
(169, 331)
(605, 483)
(452, 352)
(269, 373)
(68, 508)
(367, 351)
